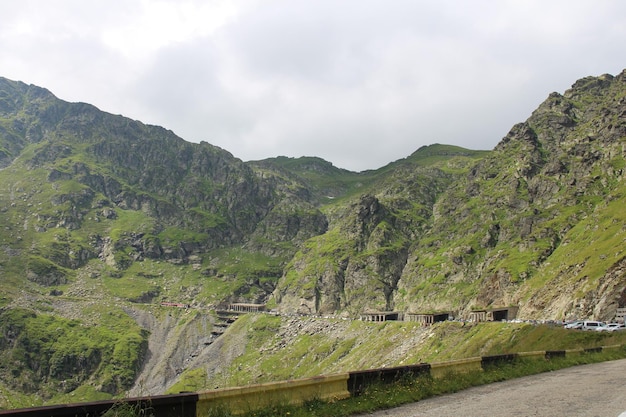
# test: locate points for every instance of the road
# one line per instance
(586, 390)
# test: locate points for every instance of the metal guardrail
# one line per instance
(248, 398)
(175, 405)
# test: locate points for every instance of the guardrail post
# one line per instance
(358, 381)
(493, 360)
(555, 354)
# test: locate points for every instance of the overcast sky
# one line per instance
(359, 83)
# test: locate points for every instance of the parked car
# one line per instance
(591, 325)
(612, 327)
(573, 325)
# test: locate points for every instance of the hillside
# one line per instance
(536, 223)
(105, 218)
(263, 348)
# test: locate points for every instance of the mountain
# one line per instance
(537, 223)
(106, 218)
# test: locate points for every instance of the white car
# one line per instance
(591, 325)
(612, 327)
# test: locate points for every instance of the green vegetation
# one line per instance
(243, 264)
(101, 214)
(188, 381)
(271, 349)
(379, 397)
(49, 358)
(407, 390)
(123, 409)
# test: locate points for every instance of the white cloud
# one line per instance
(153, 25)
(357, 82)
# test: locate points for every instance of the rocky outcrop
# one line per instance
(518, 205)
(479, 241)
(100, 165)
(170, 346)
(358, 263)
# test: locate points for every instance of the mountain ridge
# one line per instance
(105, 218)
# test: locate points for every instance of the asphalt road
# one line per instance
(586, 390)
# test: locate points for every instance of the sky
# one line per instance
(359, 83)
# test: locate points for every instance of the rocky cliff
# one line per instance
(536, 223)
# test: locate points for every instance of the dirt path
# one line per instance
(587, 390)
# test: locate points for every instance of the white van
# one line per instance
(591, 325)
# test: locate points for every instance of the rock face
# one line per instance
(503, 226)
(484, 238)
(114, 163)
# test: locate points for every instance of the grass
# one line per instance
(57, 358)
(128, 410)
(408, 390)
(266, 349)
(586, 252)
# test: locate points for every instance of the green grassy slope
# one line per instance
(281, 348)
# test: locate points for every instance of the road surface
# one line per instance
(585, 390)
